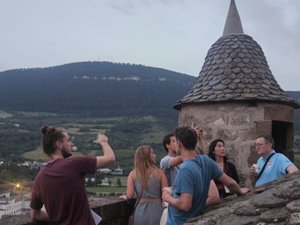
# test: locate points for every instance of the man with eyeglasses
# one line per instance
(271, 165)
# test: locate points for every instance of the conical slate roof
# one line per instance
(235, 69)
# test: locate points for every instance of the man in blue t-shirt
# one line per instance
(277, 165)
(192, 181)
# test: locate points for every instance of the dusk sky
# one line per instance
(169, 34)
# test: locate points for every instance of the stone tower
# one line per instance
(236, 98)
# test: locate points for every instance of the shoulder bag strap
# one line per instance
(262, 170)
(137, 200)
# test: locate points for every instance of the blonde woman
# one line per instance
(145, 182)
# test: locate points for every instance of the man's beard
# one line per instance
(66, 154)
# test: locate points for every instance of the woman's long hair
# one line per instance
(212, 147)
(142, 164)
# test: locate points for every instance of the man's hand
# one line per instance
(166, 194)
(252, 170)
(108, 157)
(102, 138)
(198, 130)
(244, 190)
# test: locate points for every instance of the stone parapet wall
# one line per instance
(276, 203)
(112, 211)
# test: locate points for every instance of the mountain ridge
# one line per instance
(104, 88)
(93, 87)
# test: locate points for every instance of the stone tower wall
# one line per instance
(238, 124)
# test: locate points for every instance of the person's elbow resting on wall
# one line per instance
(232, 185)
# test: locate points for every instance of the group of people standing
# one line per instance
(200, 181)
(190, 174)
(197, 180)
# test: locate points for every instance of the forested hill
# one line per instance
(104, 88)
(294, 94)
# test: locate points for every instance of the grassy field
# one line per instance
(4, 114)
(38, 154)
(124, 133)
(114, 188)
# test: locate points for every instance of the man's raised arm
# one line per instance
(108, 157)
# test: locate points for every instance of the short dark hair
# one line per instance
(167, 140)
(212, 147)
(187, 136)
(51, 134)
(268, 138)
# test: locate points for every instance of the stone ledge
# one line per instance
(113, 212)
(277, 203)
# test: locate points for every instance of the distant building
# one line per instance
(9, 205)
(105, 182)
(118, 171)
(105, 170)
(25, 164)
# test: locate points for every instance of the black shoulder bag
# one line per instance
(262, 170)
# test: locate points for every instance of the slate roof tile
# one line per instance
(235, 62)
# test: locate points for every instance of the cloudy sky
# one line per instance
(170, 34)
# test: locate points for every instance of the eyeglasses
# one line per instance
(259, 145)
